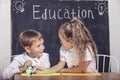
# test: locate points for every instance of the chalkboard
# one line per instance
(46, 16)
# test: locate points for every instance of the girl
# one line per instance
(78, 49)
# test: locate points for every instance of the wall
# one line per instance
(5, 31)
(114, 20)
(5, 28)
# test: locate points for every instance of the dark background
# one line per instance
(98, 27)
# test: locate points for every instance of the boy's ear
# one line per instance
(27, 49)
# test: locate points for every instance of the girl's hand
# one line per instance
(40, 68)
(64, 70)
(40, 71)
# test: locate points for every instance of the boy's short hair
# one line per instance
(27, 37)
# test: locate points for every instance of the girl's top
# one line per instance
(72, 58)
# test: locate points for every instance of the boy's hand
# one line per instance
(25, 66)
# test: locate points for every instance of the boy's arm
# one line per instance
(11, 70)
(25, 66)
(80, 69)
(55, 68)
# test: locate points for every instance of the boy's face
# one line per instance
(37, 48)
(66, 44)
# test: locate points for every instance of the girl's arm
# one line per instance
(55, 68)
(80, 69)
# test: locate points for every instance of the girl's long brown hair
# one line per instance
(76, 31)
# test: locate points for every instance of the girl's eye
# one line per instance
(61, 42)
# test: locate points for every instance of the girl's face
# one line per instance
(66, 44)
(37, 48)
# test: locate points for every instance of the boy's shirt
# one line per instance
(19, 60)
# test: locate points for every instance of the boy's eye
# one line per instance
(38, 45)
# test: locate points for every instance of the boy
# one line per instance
(33, 43)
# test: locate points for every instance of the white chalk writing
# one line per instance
(40, 13)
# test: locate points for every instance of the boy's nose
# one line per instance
(43, 47)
